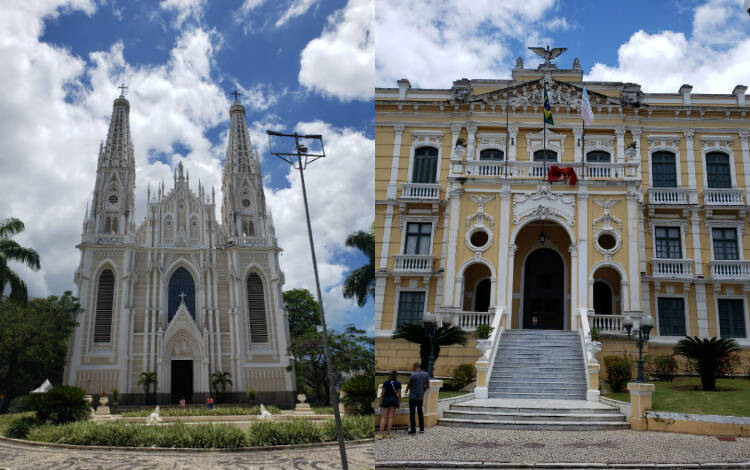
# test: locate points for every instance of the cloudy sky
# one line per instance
(300, 64)
(659, 44)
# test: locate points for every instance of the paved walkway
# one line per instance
(20, 456)
(442, 446)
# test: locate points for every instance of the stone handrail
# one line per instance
(420, 191)
(489, 351)
(526, 169)
(672, 268)
(413, 263)
(668, 196)
(589, 347)
(730, 269)
(607, 323)
(723, 197)
(469, 321)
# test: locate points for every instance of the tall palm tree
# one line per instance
(447, 335)
(146, 380)
(708, 353)
(221, 379)
(12, 251)
(361, 282)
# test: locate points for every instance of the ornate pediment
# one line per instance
(561, 94)
(183, 338)
(544, 204)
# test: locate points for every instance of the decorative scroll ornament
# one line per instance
(544, 204)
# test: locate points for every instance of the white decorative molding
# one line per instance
(542, 204)
(535, 141)
(480, 217)
(606, 218)
(490, 141)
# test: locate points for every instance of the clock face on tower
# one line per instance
(246, 202)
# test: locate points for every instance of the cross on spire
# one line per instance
(182, 297)
(122, 89)
(236, 94)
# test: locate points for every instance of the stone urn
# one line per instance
(103, 400)
(301, 398)
(459, 151)
(484, 345)
(592, 347)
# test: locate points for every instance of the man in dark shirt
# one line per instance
(419, 382)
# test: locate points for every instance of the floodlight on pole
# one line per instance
(303, 157)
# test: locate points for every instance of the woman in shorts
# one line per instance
(390, 400)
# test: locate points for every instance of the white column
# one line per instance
(379, 302)
(574, 290)
(393, 183)
(578, 144)
(454, 196)
(583, 239)
(634, 268)
(513, 144)
(387, 227)
(695, 222)
(455, 130)
(692, 185)
(636, 133)
(502, 246)
(745, 158)
(472, 130)
(701, 308)
(620, 133)
(458, 299)
(509, 285)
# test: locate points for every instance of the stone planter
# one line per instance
(484, 345)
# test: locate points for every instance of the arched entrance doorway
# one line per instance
(544, 290)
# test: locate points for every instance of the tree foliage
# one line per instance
(62, 404)
(360, 283)
(12, 251)
(352, 351)
(447, 335)
(34, 343)
(220, 379)
(708, 353)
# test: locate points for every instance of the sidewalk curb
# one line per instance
(400, 465)
(179, 449)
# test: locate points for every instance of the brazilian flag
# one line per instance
(547, 110)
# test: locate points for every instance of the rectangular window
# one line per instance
(664, 170)
(410, 308)
(732, 318)
(418, 237)
(668, 242)
(671, 316)
(725, 243)
(718, 174)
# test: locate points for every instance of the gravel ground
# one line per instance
(451, 444)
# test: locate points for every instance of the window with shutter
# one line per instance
(256, 309)
(664, 170)
(105, 295)
(732, 318)
(718, 174)
(425, 165)
(671, 316)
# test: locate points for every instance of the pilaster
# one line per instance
(744, 135)
(635, 257)
(502, 245)
(583, 234)
(392, 190)
(513, 144)
(692, 186)
(620, 134)
(472, 130)
(385, 246)
(454, 196)
(578, 144)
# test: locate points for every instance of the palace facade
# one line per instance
(469, 226)
(179, 293)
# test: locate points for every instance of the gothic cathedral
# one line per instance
(180, 294)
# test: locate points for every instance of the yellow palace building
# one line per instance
(469, 227)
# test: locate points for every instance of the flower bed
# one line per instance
(201, 411)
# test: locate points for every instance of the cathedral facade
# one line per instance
(179, 293)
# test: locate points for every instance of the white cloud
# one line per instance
(340, 190)
(297, 8)
(259, 97)
(713, 59)
(185, 9)
(341, 61)
(434, 42)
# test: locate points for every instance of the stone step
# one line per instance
(566, 417)
(553, 370)
(552, 382)
(535, 409)
(540, 386)
(535, 425)
(537, 395)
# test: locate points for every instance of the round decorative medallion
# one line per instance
(246, 202)
(478, 239)
(113, 199)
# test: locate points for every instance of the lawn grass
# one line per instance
(6, 418)
(733, 401)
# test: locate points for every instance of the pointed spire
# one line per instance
(118, 150)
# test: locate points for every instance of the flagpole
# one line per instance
(583, 147)
(507, 111)
(544, 134)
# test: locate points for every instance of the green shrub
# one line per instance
(360, 392)
(202, 411)
(354, 427)
(115, 396)
(483, 331)
(19, 427)
(618, 372)
(296, 431)
(251, 395)
(661, 366)
(461, 376)
(62, 404)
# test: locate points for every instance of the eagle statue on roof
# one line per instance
(548, 54)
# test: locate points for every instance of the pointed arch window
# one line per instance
(105, 295)
(168, 230)
(180, 283)
(194, 232)
(256, 309)
(248, 229)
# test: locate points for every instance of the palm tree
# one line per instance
(146, 380)
(222, 379)
(447, 335)
(12, 251)
(707, 353)
(361, 282)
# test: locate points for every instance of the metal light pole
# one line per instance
(644, 331)
(429, 321)
(303, 157)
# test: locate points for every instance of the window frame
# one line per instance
(738, 241)
(425, 138)
(730, 164)
(685, 312)
(406, 220)
(745, 316)
(397, 302)
(681, 238)
(586, 157)
(676, 168)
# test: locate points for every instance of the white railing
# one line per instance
(420, 191)
(672, 268)
(500, 322)
(413, 263)
(668, 196)
(730, 269)
(607, 323)
(526, 169)
(723, 197)
(251, 241)
(469, 321)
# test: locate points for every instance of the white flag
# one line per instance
(586, 113)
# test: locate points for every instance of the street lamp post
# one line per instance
(644, 331)
(429, 320)
(299, 159)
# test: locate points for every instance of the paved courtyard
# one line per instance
(444, 445)
(19, 456)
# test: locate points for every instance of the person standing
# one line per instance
(390, 401)
(419, 382)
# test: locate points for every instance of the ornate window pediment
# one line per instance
(543, 204)
(535, 141)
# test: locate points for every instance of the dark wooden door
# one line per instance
(544, 291)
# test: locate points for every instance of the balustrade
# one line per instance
(413, 263)
(672, 268)
(730, 269)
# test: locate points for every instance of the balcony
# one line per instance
(607, 324)
(730, 269)
(469, 321)
(668, 196)
(420, 191)
(413, 264)
(535, 170)
(723, 197)
(672, 268)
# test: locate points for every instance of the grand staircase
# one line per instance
(538, 382)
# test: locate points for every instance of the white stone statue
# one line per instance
(153, 417)
(264, 414)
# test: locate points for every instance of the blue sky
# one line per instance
(293, 61)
